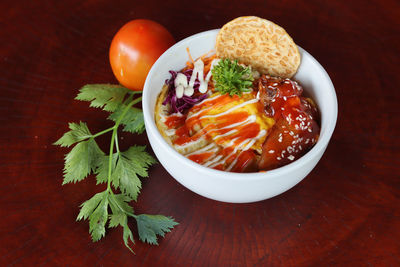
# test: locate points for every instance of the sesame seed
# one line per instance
(271, 151)
(291, 157)
(278, 158)
(289, 118)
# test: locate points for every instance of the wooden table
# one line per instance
(345, 213)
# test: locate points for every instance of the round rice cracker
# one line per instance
(259, 43)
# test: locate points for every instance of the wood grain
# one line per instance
(345, 213)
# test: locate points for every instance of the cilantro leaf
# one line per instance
(126, 178)
(102, 169)
(79, 132)
(133, 162)
(117, 218)
(96, 209)
(120, 203)
(140, 159)
(98, 219)
(81, 161)
(121, 209)
(105, 96)
(112, 98)
(121, 218)
(133, 120)
(231, 78)
(127, 235)
(126, 168)
(149, 226)
(90, 205)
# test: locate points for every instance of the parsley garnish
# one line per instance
(231, 78)
(119, 169)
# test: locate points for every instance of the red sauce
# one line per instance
(203, 108)
(216, 102)
(184, 136)
(173, 121)
(231, 118)
(246, 161)
(214, 127)
(201, 157)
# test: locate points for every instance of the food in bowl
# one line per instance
(238, 110)
(230, 186)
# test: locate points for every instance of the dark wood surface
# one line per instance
(345, 213)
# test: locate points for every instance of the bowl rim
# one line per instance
(316, 150)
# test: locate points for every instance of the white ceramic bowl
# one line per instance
(226, 186)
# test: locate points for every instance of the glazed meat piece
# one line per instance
(296, 129)
(275, 91)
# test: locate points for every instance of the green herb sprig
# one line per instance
(231, 78)
(120, 170)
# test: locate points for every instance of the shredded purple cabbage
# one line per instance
(179, 105)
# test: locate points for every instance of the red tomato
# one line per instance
(135, 48)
